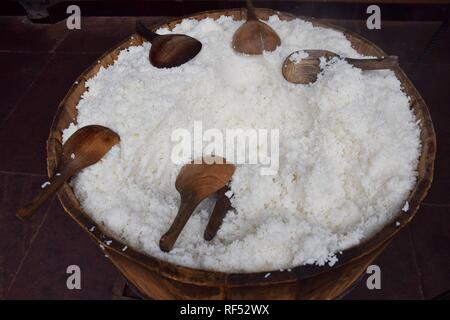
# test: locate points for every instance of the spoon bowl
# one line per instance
(254, 36)
(300, 69)
(84, 148)
(169, 50)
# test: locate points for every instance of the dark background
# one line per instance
(40, 59)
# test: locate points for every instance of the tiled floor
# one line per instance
(38, 65)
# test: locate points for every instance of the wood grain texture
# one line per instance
(254, 36)
(195, 182)
(222, 206)
(85, 147)
(163, 280)
(169, 50)
(308, 68)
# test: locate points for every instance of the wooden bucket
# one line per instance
(163, 280)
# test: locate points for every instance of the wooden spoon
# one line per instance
(169, 50)
(305, 71)
(254, 36)
(195, 182)
(221, 208)
(84, 148)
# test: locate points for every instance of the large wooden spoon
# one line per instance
(305, 70)
(169, 50)
(84, 148)
(254, 36)
(195, 182)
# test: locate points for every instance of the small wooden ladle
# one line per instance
(305, 70)
(195, 182)
(169, 50)
(254, 36)
(84, 148)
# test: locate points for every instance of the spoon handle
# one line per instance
(389, 62)
(144, 32)
(56, 182)
(185, 211)
(221, 208)
(251, 15)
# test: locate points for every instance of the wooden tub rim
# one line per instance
(217, 278)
